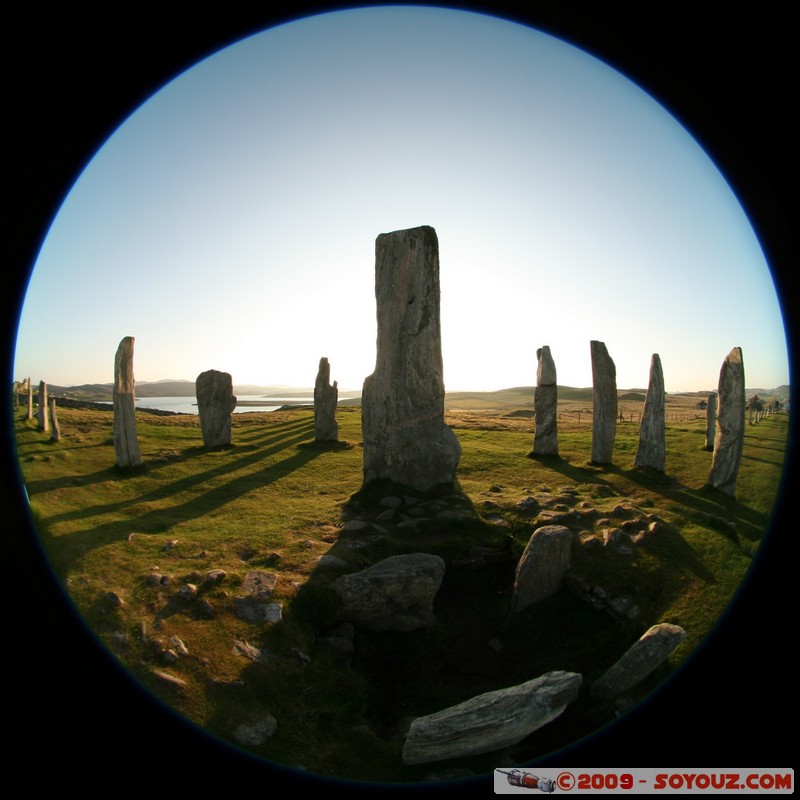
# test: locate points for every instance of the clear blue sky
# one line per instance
(230, 222)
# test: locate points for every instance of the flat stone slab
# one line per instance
(490, 721)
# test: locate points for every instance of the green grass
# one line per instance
(274, 501)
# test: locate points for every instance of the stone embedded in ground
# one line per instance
(729, 439)
(604, 404)
(252, 734)
(402, 403)
(542, 565)
(490, 721)
(56, 434)
(545, 401)
(652, 432)
(638, 661)
(126, 442)
(711, 420)
(215, 404)
(326, 397)
(395, 594)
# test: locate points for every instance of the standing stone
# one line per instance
(30, 400)
(652, 432)
(711, 420)
(55, 436)
(326, 396)
(402, 403)
(43, 415)
(729, 439)
(126, 442)
(545, 402)
(215, 404)
(604, 404)
(542, 565)
(638, 661)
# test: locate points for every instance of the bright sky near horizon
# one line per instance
(230, 222)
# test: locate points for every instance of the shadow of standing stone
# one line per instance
(215, 404)
(402, 403)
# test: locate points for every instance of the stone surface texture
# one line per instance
(43, 413)
(542, 565)
(638, 661)
(326, 396)
(215, 404)
(545, 401)
(604, 404)
(126, 442)
(490, 721)
(711, 420)
(402, 404)
(652, 450)
(395, 594)
(729, 438)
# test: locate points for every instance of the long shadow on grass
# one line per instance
(235, 463)
(63, 549)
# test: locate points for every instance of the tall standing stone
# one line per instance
(402, 403)
(126, 442)
(30, 400)
(215, 404)
(711, 420)
(652, 432)
(545, 402)
(326, 396)
(55, 436)
(43, 414)
(729, 439)
(604, 403)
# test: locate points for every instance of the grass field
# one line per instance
(127, 544)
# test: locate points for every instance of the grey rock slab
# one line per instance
(126, 442)
(652, 448)
(397, 593)
(542, 565)
(545, 402)
(490, 721)
(215, 404)
(326, 397)
(604, 403)
(729, 439)
(638, 661)
(402, 403)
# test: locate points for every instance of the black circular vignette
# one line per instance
(72, 77)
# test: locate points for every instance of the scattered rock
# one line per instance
(542, 566)
(255, 733)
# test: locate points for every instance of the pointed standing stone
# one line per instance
(126, 443)
(43, 414)
(652, 433)
(215, 404)
(545, 402)
(405, 438)
(604, 404)
(711, 420)
(30, 400)
(326, 396)
(56, 434)
(729, 439)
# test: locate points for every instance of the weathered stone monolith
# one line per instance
(652, 431)
(729, 439)
(542, 565)
(326, 396)
(643, 656)
(711, 420)
(215, 404)
(545, 402)
(55, 436)
(491, 721)
(402, 403)
(126, 442)
(30, 400)
(43, 414)
(604, 404)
